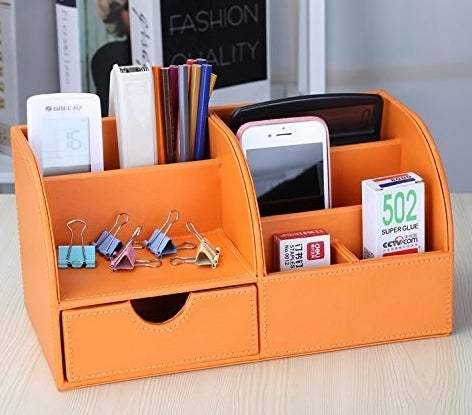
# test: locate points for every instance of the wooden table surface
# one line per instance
(431, 376)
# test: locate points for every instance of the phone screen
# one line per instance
(288, 178)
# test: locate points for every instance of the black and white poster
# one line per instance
(231, 35)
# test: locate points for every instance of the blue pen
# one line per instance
(202, 112)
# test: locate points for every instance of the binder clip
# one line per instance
(76, 256)
(160, 244)
(107, 243)
(207, 254)
(126, 258)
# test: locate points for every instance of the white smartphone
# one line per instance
(289, 163)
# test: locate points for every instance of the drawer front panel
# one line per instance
(112, 342)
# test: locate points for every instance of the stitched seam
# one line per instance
(351, 268)
(449, 297)
(448, 300)
(360, 342)
(187, 285)
(263, 323)
(217, 124)
(53, 287)
(234, 251)
(253, 349)
(163, 365)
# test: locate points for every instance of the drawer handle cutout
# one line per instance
(159, 309)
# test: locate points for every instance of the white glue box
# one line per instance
(302, 249)
(393, 215)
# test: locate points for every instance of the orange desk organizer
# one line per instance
(96, 326)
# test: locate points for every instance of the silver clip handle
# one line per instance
(172, 217)
(130, 241)
(179, 260)
(207, 254)
(117, 226)
(71, 222)
(149, 263)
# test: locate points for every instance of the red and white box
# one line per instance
(302, 249)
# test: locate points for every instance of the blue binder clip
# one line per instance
(76, 256)
(107, 243)
(160, 244)
(126, 258)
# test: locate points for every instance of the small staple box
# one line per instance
(302, 249)
(393, 215)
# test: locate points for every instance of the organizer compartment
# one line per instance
(93, 325)
(146, 195)
(340, 254)
(101, 285)
(343, 224)
(405, 145)
(358, 302)
(353, 163)
(206, 192)
(112, 342)
(361, 303)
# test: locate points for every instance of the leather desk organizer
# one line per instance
(96, 326)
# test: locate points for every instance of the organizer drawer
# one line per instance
(362, 303)
(113, 342)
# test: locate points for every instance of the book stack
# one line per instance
(92, 37)
(28, 61)
(232, 35)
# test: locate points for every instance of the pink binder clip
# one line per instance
(126, 259)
